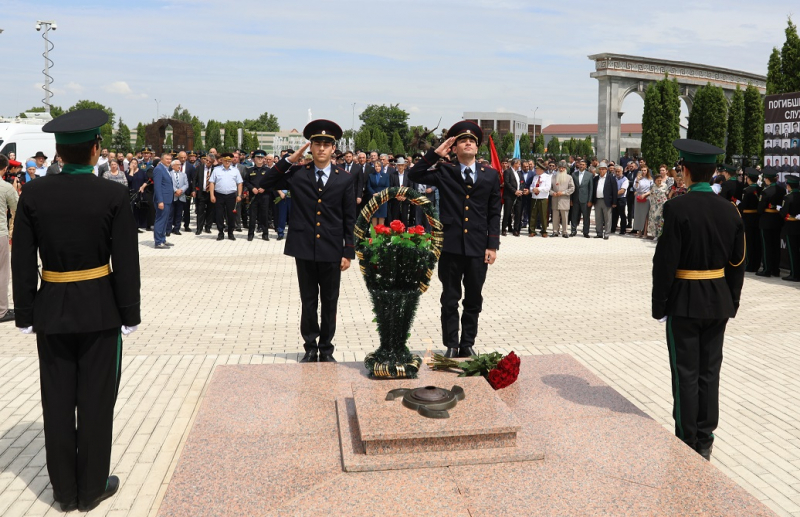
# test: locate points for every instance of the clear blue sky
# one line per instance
(237, 59)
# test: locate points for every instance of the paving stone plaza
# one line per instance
(207, 303)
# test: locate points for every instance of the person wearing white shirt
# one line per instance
(619, 212)
(540, 192)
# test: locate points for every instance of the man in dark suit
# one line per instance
(604, 200)
(77, 224)
(163, 193)
(749, 210)
(469, 199)
(512, 199)
(356, 170)
(581, 199)
(187, 166)
(321, 234)
(204, 209)
(400, 207)
(698, 272)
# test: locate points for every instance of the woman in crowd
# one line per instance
(376, 182)
(137, 180)
(641, 212)
(668, 175)
(114, 174)
(561, 189)
(679, 188)
(658, 196)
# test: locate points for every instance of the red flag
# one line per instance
(496, 164)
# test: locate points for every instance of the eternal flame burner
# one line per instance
(429, 401)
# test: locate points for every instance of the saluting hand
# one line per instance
(299, 153)
(444, 149)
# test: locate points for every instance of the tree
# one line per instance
(507, 146)
(55, 111)
(735, 126)
(265, 122)
(539, 144)
(661, 122)
(753, 124)
(213, 136)
(381, 141)
(363, 137)
(525, 145)
(790, 60)
(107, 129)
(397, 145)
(774, 74)
(708, 120)
(231, 136)
(554, 146)
(121, 140)
(372, 146)
(588, 147)
(139, 136)
(388, 118)
(198, 134)
(168, 142)
(182, 114)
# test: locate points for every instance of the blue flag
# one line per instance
(516, 150)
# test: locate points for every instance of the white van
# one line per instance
(24, 137)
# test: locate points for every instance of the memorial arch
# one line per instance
(182, 135)
(620, 75)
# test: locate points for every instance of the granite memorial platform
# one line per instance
(321, 439)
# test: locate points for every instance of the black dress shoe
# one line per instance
(605, 237)
(111, 488)
(705, 453)
(280, 237)
(598, 236)
(187, 229)
(220, 237)
(326, 358)
(176, 232)
(8, 316)
(573, 233)
(198, 232)
(516, 234)
(451, 352)
(790, 278)
(239, 229)
(466, 351)
(586, 235)
(503, 233)
(231, 238)
(207, 230)
(70, 506)
(777, 272)
(249, 238)
(310, 357)
(265, 237)
(762, 273)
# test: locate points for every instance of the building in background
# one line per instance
(630, 137)
(503, 123)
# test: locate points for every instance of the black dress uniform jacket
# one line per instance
(702, 231)
(253, 178)
(790, 209)
(67, 240)
(750, 202)
(771, 198)
(322, 222)
(471, 217)
(731, 190)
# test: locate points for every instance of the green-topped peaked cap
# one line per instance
(695, 151)
(752, 172)
(731, 168)
(769, 172)
(793, 179)
(78, 126)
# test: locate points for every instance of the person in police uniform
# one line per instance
(749, 210)
(698, 272)
(260, 202)
(77, 223)
(469, 205)
(770, 223)
(226, 191)
(790, 211)
(321, 234)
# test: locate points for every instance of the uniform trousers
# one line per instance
(204, 209)
(538, 215)
(177, 215)
(577, 211)
(754, 249)
(226, 203)
(695, 359)
(771, 242)
(602, 217)
(319, 284)
(259, 207)
(455, 269)
(79, 371)
(284, 209)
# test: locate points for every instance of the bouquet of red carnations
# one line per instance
(501, 371)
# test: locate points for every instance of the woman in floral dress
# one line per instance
(658, 196)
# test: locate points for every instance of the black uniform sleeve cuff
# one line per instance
(23, 318)
(130, 315)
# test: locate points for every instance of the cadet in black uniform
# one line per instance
(790, 211)
(77, 223)
(260, 202)
(731, 188)
(698, 274)
(770, 223)
(469, 204)
(321, 234)
(749, 210)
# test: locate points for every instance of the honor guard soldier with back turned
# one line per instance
(321, 234)
(770, 223)
(260, 202)
(77, 224)
(698, 272)
(749, 210)
(469, 204)
(790, 211)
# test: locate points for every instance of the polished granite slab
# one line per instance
(266, 441)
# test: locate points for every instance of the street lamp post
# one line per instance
(157, 108)
(534, 129)
(48, 46)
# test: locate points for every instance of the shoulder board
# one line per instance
(308, 166)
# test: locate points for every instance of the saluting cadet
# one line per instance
(790, 211)
(260, 202)
(749, 209)
(697, 280)
(226, 191)
(469, 204)
(321, 234)
(770, 222)
(77, 223)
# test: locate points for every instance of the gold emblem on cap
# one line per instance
(323, 131)
(469, 132)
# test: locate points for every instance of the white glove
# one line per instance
(797, 216)
(129, 330)
(738, 202)
(778, 207)
(26, 330)
(663, 320)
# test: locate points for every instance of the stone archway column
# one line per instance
(609, 105)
